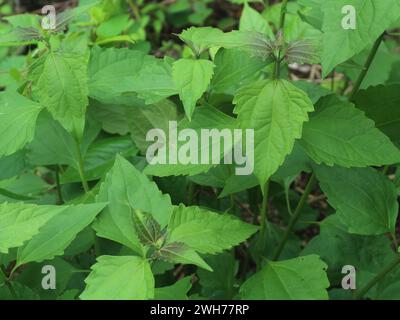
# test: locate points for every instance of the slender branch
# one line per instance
(191, 193)
(366, 67)
(3, 276)
(295, 217)
(134, 9)
(11, 289)
(96, 241)
(264, 210)
(263, 223)
(385, 169)
(283, 15)
(81, 168)
(232, 203)
(277, 66)
(60, 199)
(8, 284)
(333, 80)
(389, 268)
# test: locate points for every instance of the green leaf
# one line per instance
(373, 17)
(144, 118)
(111, 71)
(19, 36)
(234, 69)
(364, 199)
(204, 118)
(192, 78)
(125, 188)
(154, 82)
(20, 222)
(178, 252)
(12, 165)
(219, 284)
(119, 278)
(19, 292)
(52, 144)
(382, 104)
(251, 20)
(58, 233)
(113, 27)
(114, 117)
(27, 185)
(338, 133)
(100, 158)
(302, 278)
(379, 70)
(368, 254)
(276, 110)
(314, 91)
(12, 68)
(25, 20)
(237, 183)
(30, 277)
(63, 90)
(206, 231)
(177, 291)
(17, 122)
(200, 39)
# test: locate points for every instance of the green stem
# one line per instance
(81, 168)
(260, 245)
(389, 268)
(97, 248)
(135, 9)
(277, 67)
(85, 185)
(60, 199)
(295, 217)
(11, 288)
(385, 169)
(366, 67)
(232, 203)
(191, 193)
(8, 284)
(264, 210)
(283, 15)
(3, 276)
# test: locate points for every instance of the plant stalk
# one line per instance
(191, 193)
(6, 281)
(295, 217)
(366, 67)
(11, 289)
(81, 168)
(85, 185)
(277, 66)
(60, 199)
(135, 9)
(389, 268)
(263, 223)
(283, 15)
(264, 210)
